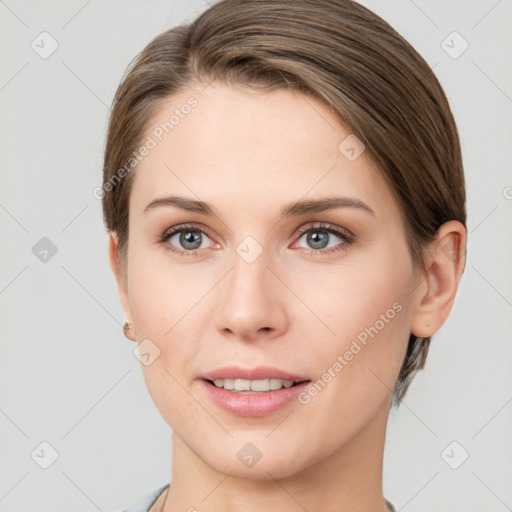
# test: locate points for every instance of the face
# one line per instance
(321, 295)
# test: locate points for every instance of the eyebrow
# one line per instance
(290, 210)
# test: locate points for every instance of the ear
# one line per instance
(445, 260)
(113, 250)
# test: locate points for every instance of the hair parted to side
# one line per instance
(335, 50)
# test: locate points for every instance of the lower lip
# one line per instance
(253, 404)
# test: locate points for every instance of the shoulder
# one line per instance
(145, 503)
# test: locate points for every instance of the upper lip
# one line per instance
(258, 373)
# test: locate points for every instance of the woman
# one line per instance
(284, 193)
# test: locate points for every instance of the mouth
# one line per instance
(257, 391)
(258, 397)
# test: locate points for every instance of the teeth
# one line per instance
(228, 383)
(253, 385)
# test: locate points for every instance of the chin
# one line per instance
(248, 456)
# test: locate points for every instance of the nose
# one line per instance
(251, 301)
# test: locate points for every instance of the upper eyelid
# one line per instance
(181, 227)
(332, 228)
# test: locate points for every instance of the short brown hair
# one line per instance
(335, 50)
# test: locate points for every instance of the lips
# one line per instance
(258, 373)
(244, 404)
(252, 403)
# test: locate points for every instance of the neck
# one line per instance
(349, 479)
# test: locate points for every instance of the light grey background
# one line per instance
(69, 377)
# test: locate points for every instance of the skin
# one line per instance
(248, 154)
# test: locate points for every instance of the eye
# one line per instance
(185, 239)
(190, 239)
(320, 236)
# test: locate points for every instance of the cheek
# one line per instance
(358, 294)
(161, 292)
(366, 306)
(162, 305)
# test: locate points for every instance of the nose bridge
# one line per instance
(249, 279)
(251, 301)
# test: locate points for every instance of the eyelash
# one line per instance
(347, 237)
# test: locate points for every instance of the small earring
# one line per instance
(126, 328)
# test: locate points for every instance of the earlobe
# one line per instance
(445, 260)
(118, 274)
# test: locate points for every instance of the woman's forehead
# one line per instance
(274, 146)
